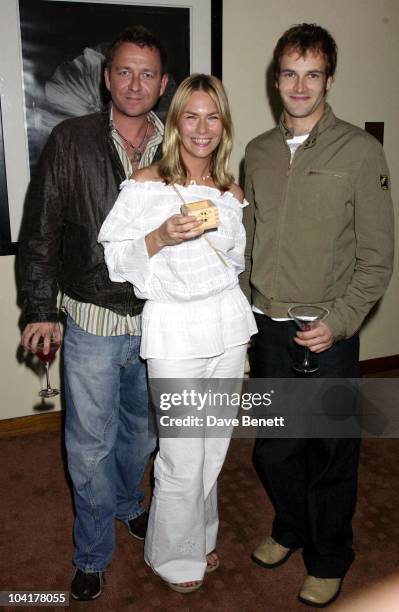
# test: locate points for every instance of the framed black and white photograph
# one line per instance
(5, 234)
(57, 60)
(63, 57)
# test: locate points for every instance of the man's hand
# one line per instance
(318, 339)
(33, 332)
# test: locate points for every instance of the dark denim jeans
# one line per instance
(107, 437)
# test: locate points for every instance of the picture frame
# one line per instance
(21, 71)
(5, 232)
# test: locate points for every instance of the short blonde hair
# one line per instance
(171, 167)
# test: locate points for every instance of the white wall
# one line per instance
(19, 385)
(366, 89)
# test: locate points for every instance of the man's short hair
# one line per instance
(140, 36)
(305, 37)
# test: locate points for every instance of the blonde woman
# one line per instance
(196, 322)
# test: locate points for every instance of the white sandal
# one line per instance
(185, 587)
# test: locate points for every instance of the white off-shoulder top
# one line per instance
(194, 305)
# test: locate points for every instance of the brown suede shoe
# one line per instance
(270, 553)
(319, 592)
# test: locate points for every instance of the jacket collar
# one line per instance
(326, 121)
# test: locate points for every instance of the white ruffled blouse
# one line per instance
(194, 305)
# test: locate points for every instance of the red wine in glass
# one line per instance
(50, 355)
(46, 359)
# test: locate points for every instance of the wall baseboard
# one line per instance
(380, 364)
(37, 423)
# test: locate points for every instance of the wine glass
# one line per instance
(46, 358)
(307, 317)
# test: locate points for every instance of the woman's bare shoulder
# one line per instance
(237, 192)
(146, 174)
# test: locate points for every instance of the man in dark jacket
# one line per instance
(73, 189)
(319, 232)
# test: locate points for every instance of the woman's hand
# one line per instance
(175, 230)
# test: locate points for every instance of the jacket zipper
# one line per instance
(283, 212)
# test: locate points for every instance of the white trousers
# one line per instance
(183, 522)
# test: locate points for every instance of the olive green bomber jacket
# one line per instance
(319, 229)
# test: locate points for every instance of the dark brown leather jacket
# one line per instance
(71, 192)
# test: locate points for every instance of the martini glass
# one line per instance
(46, 359)
(307, 317)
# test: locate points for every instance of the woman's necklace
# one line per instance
(137, 154)
(203, 178)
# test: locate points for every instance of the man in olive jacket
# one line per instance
(319, 231)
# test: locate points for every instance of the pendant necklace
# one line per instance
(137, 154)
(203, 178)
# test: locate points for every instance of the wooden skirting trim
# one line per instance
(34, 423)
(53, 421)
(381, 364)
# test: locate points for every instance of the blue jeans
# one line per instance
(107, 437)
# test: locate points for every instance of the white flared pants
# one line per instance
(183, 522)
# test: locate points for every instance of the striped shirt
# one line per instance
(150, 149)
(95, 319)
